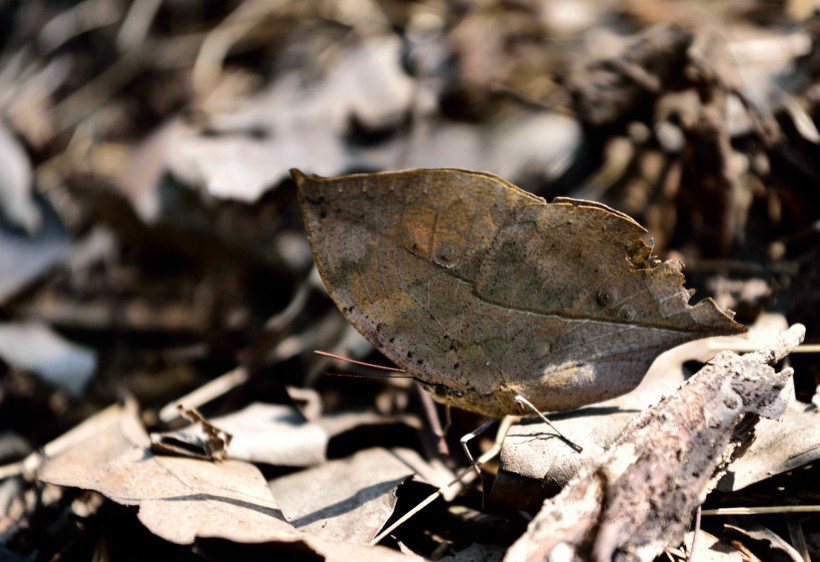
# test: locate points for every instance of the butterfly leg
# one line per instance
(526, 403)
(469, 436)
(463, 477)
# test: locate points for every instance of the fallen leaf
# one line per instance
(779, 446)
(179, 499)
(710, 548)
(280, 435)
(34, 347)
(301, 124)
(345, 552)
(484, 292)
(25, 258)
(273, 434)
(346, 500)
(769, 541)
(17, 204)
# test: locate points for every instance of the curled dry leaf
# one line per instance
(483, 292)
(639, 499)
(273, 434)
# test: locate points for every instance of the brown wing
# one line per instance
(465, 280)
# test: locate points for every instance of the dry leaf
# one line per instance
(484, 292)
(280, 435)
(17, 204)
(779, 446)
(301, 124)
(25, 258)
(179, 499)
(345, 500)
(184, 499)
(535, 464)
(345, 552)
(769, 541)
(273, 434)
(710, 548)
(34, 347)
(639, 499)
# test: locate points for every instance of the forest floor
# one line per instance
(159, 306)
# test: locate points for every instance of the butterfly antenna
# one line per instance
(394, 372)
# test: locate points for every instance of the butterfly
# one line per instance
(485, 293)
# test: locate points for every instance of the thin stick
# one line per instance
(205, 393)
(798, 538)
(64, 442)
(746, 347)
(762, 510)
(695, 534)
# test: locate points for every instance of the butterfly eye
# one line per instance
(443, 390)
(440, 390)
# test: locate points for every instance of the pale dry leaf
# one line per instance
(301, 124)
(179, 499)
(540, 145)
(182, 499)
(484, 293)
(346, 551)
(102, 437)
(36, 348)
(534, 461)
(338, 423)
(770, 541)
(280, 435)
(710, 548)
(140, 180)
(346, 500)
(24, 258)
(273, 434)
(779, 446)
(17, 204)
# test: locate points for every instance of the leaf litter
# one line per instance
(150, 225)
